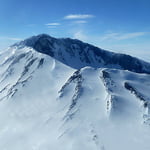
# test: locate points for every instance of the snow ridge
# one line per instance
(78, 54)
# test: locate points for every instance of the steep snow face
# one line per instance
(29, 85)
(102, 113)
(20, 67)
(46, 104)
(77, 54)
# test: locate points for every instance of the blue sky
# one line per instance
(119, 25)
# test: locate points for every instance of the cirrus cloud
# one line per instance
(53, 24)
(80, 35)
(78, 16)
(11, 38)
(122, 36)
(80, 22)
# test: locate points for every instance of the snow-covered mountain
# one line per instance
(64, 94)
(77, 54)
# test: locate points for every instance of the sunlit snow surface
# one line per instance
(46, 105)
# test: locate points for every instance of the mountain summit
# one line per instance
(78, 54)
(63, 94)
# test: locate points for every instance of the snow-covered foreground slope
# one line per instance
(46, 104)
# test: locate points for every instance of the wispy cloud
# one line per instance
(80, 22)
(122, 36)
(78, 16)
(11, 38)
(80, 35)
(53, 24)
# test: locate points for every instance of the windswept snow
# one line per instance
(46, 104)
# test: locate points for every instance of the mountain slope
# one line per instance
(46, 104)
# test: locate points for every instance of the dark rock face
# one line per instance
(43, 45)
(138, 94)
(77, 80)
(83, 54)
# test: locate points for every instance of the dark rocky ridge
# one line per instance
(78, 54)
